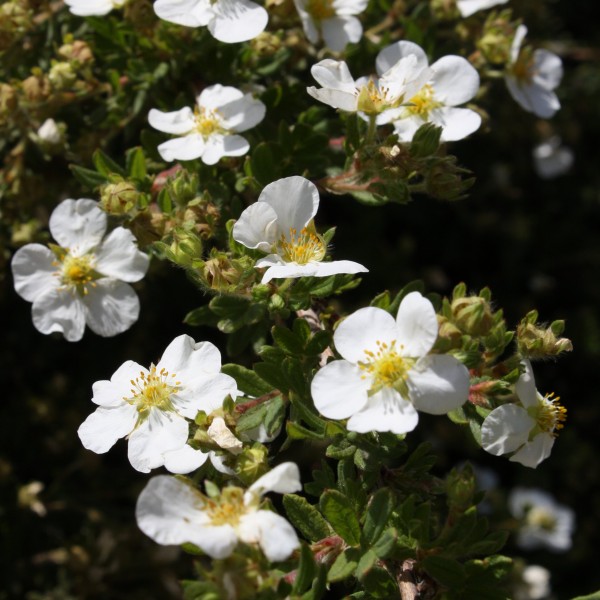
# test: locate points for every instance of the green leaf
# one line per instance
(247, 381)
(263, 163)
(319, 341)
(297, 432)
(344, 565)
(594, 596)
(365, 564)
(377, 514)
(306, 571)
(274, 415)
(229, 306)
(338, 510)
(272, 374)
(287, 340)
(426, 140)
(200, 590)
(446, 571)
(386, 543)
(164, 201)
(106, 165)
(201, 316)
(136, 163)
(305, 517)
(88, 178)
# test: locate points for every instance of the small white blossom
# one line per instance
(82, 281)
(534, 584)
(333, 20)
(228, 21)
(281, 223)
(210, 131)
(552, 159)
(470, 7)
(387, 373)
(527, 428)
(50, 133)
(173, 512)
(452, 81)
(531, 77)
(89, 8)
(150, 406)
(543, 522)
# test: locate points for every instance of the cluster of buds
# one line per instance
(538, 341)
(497, 37)
(16, 18)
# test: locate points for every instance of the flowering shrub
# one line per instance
(312, 372)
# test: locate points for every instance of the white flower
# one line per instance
(172, 512)
(150, 406)
(387, 373)
(82, 280)
(469, 7)
(49, 132)
(528, 428)
(228, 21)
(532, 77)
(334, 20)
(210, 131)
(281, 223)
(544, 522)
(88, 8)
(534, 584)
(452, 81)
(381, 97)
(552, 159)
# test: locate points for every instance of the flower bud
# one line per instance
(186, 247)
(119, 198)
(444, 10)
(77, 52)
(449, 335)
(62, 76)
(444, 180)
(36, 88)
(496, 39)
(15, 20)
(461, 488)
(473, 315)
(252, 463)
(8, 99)
(535, 341)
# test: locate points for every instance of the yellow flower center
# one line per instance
(522, 68)
(320, 9)
(208, 122)
(549, 414)
(77, 272)
(373, 99)
(423, 102)
(153, 390)
(541, 518)
(386, 368)
(302, 248)
(228, 508)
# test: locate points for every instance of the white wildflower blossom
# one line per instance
(281, 223)
(90, 8)
(228, 21)
(50, 133)
(210, 131)
(552, 159)
(83, 280)
(470, 7)
(173, 512)
(527, 428)
(388, 373)
(151, 406)
(543, 522)
(532, 77)
(333, 20)
(534, 584)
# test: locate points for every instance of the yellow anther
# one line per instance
(320, 9)
(423, 102)
(302, 248)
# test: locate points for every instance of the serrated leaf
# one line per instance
(338, 510)
(377, 514)
(247, 381)
(305, 517)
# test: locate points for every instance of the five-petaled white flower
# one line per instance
(453, 81)
(552, 159)
(387, 373)
(281, 223)
(82, 280)
(529, 428)
(228, 21)
(210, 131)
(171, 511)
(544, 522)
(470, 7)
(334, 20)
(150, 406)
(531, 77)
(89, 8)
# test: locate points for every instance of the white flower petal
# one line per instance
(442, 386)
(349, 7)
(417, 325)
(339, 31)
(158, 433)
(385, 411)
(547, 69)
(525, 386)
(363, 330)
(335, 98)
(338, 390)
(454, 80)
(189, 13)
(188, 147)
(277, 269)
(59, 310)
(391, 55)
(506, 429)
(177, 122)
(100, 431)
(333, 74)
(218, 96)
(405, 127)
(257, 227)
(218, 462)
(543, 103)
(283, 479)
(295, 200)
(534, 452)
(469, 7)
(184, 460)
(271, 531)
(119, 257)
(33, 271)
(242, 114)
(89, 8)
(111, 393)
(237, 20)
(189, 359)
(223, 436)
(457, 123)
(205, 394)
(214, 149)
(78, 224)
(111, 307)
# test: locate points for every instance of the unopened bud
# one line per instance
(119, 198)
(62, 76)
(36, 88)
(496, 40)
(252, 463)
(535, 341)
(449, 335)
(77, 52)
(8, 99)
(186, 247)
(444, 10)
(473, 315)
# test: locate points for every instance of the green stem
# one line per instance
(372, 129)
